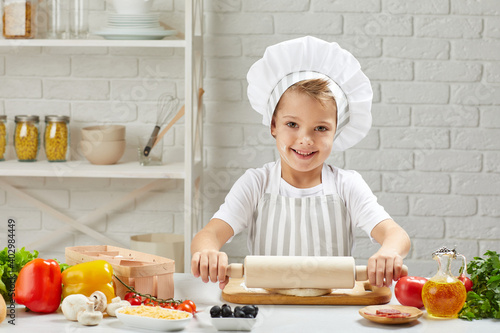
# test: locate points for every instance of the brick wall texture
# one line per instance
(432, 156)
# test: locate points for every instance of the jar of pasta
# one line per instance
(56, 138)
(3, 136)
(26, 138)
(19, 18)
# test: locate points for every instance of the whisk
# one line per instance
(166, 107)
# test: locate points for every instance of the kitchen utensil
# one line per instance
(370, 311)
(103, 152)
(165, 110)
(155, 156)
(363, 293)
(444, 295)
(300, 272)
(178, 116)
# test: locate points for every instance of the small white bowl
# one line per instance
(234, 324)
(132, 6)
(153, 323)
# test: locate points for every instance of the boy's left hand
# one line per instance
(384, 267)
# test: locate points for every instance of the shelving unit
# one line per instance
(190, 170)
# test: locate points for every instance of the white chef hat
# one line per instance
(305, 58)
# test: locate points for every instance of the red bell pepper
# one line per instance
(38, 286)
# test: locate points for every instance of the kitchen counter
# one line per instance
(271, 318)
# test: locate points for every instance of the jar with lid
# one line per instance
(56, 138)
(19, 18)
(3, 136)
(27, 138)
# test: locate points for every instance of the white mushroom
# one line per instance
(89, 317)
(115, 304)
(72, 304)
(100, 301)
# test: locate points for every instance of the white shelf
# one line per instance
(93, 43)
(85, 169)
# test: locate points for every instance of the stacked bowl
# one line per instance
(104, 144)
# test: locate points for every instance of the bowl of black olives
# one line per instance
(241, 318)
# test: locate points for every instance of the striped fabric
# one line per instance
(292, 78)
(309, 226)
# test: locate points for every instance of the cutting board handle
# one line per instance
(235, 271)
(362, 272)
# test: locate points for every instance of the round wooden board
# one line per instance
(414, 314)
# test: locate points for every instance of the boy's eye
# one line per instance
(321, 128)
(291, 124)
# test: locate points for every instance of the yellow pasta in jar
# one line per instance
(56, 140)
(3, 140)
(26, 138)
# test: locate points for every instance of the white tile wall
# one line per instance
(432, 156)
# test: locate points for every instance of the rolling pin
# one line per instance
(300, 272)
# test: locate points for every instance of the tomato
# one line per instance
(185, 307)
(466, 281)
(135, 300)
(191, 304)
(130, 295)
(167, 305)
(150, 302)
(408, 290)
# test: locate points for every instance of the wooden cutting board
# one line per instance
(362, 294)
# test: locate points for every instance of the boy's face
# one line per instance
(304, 130)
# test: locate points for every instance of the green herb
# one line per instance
(484, 299)
(9, 269)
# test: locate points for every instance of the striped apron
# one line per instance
(308, 226)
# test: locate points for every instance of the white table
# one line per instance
(271, 318)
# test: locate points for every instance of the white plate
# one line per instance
(134, 34)
(134, 17)
(153, 323)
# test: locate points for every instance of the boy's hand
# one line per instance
(210, 265)
(384, 267)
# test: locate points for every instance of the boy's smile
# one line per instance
(304, 129)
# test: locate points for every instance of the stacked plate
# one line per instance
(134, 26)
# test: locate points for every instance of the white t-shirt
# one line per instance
(240, 205)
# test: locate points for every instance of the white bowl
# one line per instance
(103, 133)
(153, 323)
(132, 6)
(103, 153)
(234, 324)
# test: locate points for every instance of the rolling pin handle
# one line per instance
(235, 271)
(362, 272)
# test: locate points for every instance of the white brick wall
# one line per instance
(432, 156)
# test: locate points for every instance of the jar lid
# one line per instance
(3, 117)
(27, 118)
(57, 119)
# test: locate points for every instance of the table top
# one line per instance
(271, 318)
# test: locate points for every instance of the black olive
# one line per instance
(239, 313)
(249, 316)
(226, 311)
(215, 311)
(249, 309)
(256, 309)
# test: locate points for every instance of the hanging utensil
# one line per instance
(165, 111)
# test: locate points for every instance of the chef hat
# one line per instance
(305, 58)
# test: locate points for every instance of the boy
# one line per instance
(315, 99)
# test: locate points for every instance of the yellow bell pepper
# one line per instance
(87, 277)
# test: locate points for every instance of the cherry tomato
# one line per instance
(185, 307)
(135, 301)
(191, 304)
(166, 305)
(150, 302)
(408, 290)
(129, 295)
(466, 281)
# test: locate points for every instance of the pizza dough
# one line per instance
(300, 292)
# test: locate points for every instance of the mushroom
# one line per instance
(100, 301)
(89, 317)
(72, 304)
(115, 304)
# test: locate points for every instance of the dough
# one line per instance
(300, 292)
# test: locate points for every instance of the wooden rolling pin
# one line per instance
(300, 272)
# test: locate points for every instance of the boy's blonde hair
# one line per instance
(314, 88)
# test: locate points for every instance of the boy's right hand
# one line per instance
(210, 265)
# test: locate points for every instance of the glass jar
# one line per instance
(19, 18)
(58, 20)
(56, 138)
(27, 138)
(3, 136)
